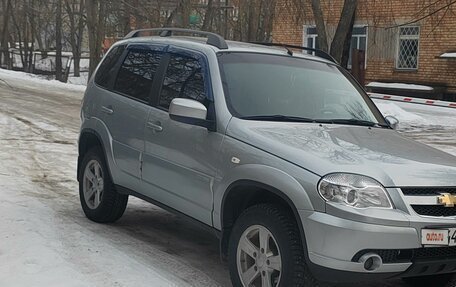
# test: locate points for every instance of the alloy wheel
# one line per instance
(93, 184)
(258, 258)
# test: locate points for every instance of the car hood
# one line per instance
(382, 154)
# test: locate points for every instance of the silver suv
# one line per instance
(280, 152)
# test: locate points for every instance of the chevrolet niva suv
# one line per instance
(281, 153)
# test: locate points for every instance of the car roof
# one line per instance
(200, 43)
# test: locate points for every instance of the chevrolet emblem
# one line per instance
(447, 199)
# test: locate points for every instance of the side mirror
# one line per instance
(190, 112)
(392, 121)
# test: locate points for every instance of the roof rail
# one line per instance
(318, 53)
(212, 39)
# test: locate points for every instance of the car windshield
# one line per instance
(284, 88)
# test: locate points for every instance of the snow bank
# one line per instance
(400, 86)
(448, 55)
(36, 80)
(82, 80)
(404, 117)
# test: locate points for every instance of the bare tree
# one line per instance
(44, 25)
(253, 20)
(96, 25)
(76, 19)
(340, 45)
(344, 31)
(58, 42)
(23, 34)
(208, 16)
(320, 24)
(6, 9)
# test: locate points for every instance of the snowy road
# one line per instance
(45, 240)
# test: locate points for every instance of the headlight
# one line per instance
(354, 190)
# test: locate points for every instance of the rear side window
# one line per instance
(137, 73)
(183, 79)
(106, 69)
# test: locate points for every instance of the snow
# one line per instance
(400, 86)
(392, 109)
(26, 79)
(82, 80)
(448, 55)
(432, 125)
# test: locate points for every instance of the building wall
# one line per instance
(437, 35)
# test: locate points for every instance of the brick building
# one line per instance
(416, 53)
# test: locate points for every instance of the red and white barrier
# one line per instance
(413, 100)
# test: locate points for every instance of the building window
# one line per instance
(358, 41)
(310, 37)
(409, 39)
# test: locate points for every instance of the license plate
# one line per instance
(439, 237)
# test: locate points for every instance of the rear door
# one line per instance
(125, 110)
(180, 159)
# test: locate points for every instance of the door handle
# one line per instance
(154, 126)
(107, 110)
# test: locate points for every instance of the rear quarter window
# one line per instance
(106, 71)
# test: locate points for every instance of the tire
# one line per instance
(110, 205)
(284, 243)
(440, 280)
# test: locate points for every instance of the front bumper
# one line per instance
(334, 243)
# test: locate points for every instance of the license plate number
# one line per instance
(440, 237)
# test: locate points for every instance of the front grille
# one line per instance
(410, 255)
(427, 190)
(434, 210)
(435, 253)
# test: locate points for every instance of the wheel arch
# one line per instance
(88, 139)
(244, 193)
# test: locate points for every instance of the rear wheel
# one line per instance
(99, 199)
(265, 250)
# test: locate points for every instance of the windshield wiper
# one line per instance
(278, 118)
(357, 122)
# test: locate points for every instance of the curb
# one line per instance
(413, 100)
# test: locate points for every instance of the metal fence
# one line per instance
(44, 63)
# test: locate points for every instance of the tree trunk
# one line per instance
(251, 31)
(58, 42)
(19, 36)
(208, 16)
(76, 31)
(347, 44)
(96, 16)
(32, 35)
(77, 65)
(5, 32)
(321, 26)
(343, 29)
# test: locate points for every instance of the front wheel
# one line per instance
(265, 250)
